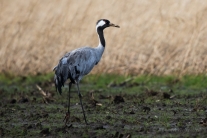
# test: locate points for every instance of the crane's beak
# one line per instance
(113, 25)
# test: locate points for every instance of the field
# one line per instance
(116, 106)
(150, 82)
(156, 37)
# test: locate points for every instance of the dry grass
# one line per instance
(156, 36)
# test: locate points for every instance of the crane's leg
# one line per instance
(80, 97)
(67, 116)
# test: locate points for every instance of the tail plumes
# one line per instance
(61, 75)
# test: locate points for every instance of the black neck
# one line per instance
(101, 36)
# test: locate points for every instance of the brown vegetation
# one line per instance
(156, 37)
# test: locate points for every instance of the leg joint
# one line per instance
(80, 96)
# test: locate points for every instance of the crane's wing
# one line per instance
(81, 62)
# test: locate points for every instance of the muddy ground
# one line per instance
(116, 111)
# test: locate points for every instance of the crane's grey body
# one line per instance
(76, 64)
(79, 62)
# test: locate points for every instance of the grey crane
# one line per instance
(78, 63)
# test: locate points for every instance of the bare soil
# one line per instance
(112, 112)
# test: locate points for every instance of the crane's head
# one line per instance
(104, 23)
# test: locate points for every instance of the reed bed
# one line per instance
(156, 36)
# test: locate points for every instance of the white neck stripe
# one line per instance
(101, 23)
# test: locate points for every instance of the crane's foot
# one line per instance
(67, 117)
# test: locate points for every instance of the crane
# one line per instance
(76, 64)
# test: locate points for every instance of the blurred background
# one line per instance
(156, 36)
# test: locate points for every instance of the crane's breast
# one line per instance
(81, 62)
